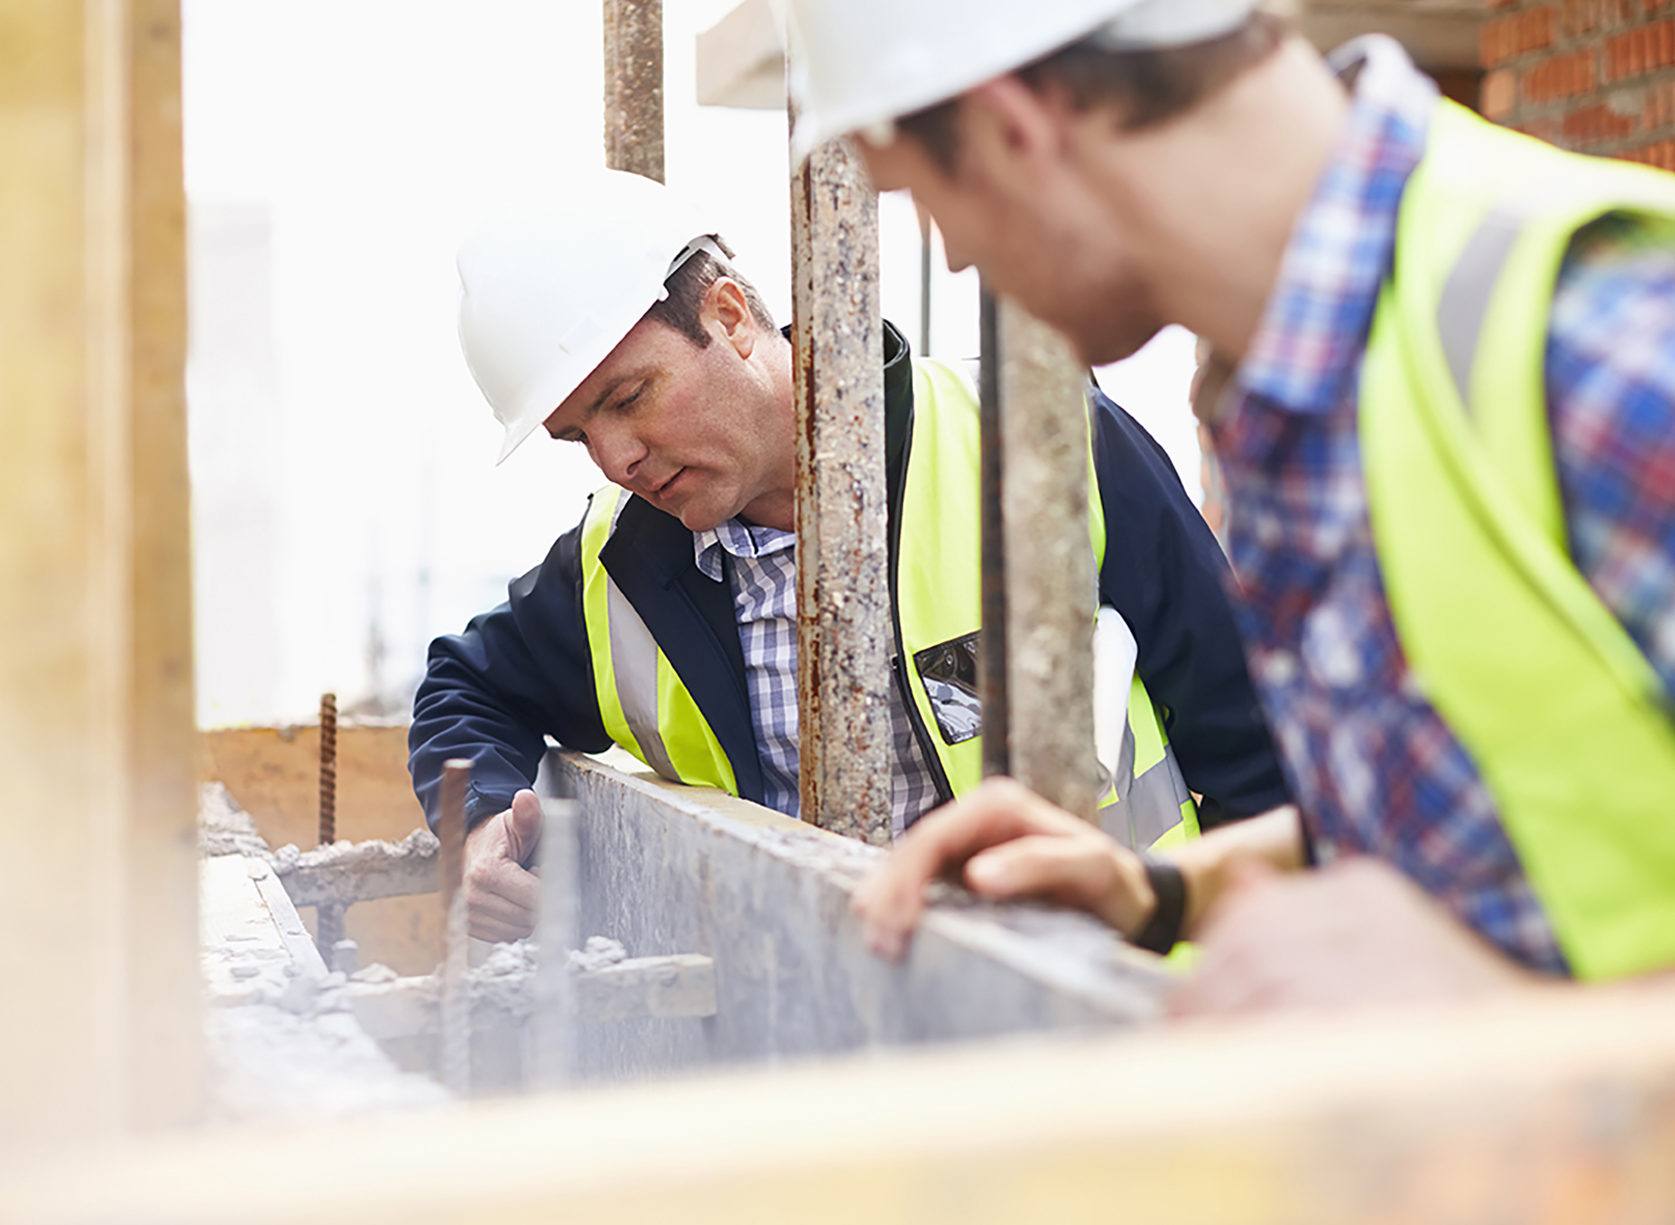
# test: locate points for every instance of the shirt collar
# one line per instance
(741, 540)
(1314, 327)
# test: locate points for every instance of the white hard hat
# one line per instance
(545, 297)
(856, 65)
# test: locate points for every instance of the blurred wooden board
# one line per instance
(1552, 1108)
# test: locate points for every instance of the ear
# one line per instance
(726, 314)
(1004, 121)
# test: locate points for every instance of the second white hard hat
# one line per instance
(859, 64)
(546, 295)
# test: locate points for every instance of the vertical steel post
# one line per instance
(558, 931)
(456, 1002)
(634, 87)
(843, 599)
(1049, 563)
(328, 917)
(997, 705)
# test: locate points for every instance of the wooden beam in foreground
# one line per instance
(101, 1024)
(1556, 1109)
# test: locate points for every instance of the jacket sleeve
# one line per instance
(1167, 576)
(491, 694)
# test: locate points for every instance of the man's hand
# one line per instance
(1011, 844)
(500, 893)
(1357, 932)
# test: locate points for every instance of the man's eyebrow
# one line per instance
(609, 390)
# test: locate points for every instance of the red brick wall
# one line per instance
(1593, 75)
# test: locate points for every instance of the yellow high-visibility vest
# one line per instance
(1567, 722)
(648, 711)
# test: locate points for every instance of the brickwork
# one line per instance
(1593, 75)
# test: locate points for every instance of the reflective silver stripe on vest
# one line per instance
(1149, 806)
(1124, 782)
(634, 663)
(1155, 800)
(1465, 297)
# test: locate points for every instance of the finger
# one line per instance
(499, 932)
(1069, 871)
(490, 907)
(523, 826)
(890, 900)
(506, 880)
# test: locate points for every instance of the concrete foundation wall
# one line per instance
(670, 869)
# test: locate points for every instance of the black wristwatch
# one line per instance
(1163, 929)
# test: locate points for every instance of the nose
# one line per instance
(618, 452)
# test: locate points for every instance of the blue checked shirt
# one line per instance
(764, 581)
(1373, 765)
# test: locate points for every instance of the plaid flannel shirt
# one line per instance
(1375, 768)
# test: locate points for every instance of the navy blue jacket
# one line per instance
(522, 671)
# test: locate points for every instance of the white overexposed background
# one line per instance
(346, 503)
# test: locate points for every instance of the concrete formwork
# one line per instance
(672, 870)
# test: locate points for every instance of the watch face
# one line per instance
(949, 672)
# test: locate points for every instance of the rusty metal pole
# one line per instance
(843, 594)
(1049, 563)
(456, 1002)
(328, 768)
(991, 658)
(634, 86)
(328, 918)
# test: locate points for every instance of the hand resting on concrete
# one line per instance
(1269, 935)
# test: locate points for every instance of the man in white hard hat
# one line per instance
(1447, 447)
(665, 621)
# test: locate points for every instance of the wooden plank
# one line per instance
(160, 857)
(97, 863)
(1556, 1107)
(739, 60)
(1439, 34)
(273, 774)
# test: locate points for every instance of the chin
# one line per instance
(701, 517)
(1115, 341)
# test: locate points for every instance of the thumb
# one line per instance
(523, 825)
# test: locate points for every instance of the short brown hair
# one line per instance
(1142, 88)
(687, 287)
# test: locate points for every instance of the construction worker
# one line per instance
(665, 621)
(1447, 446)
